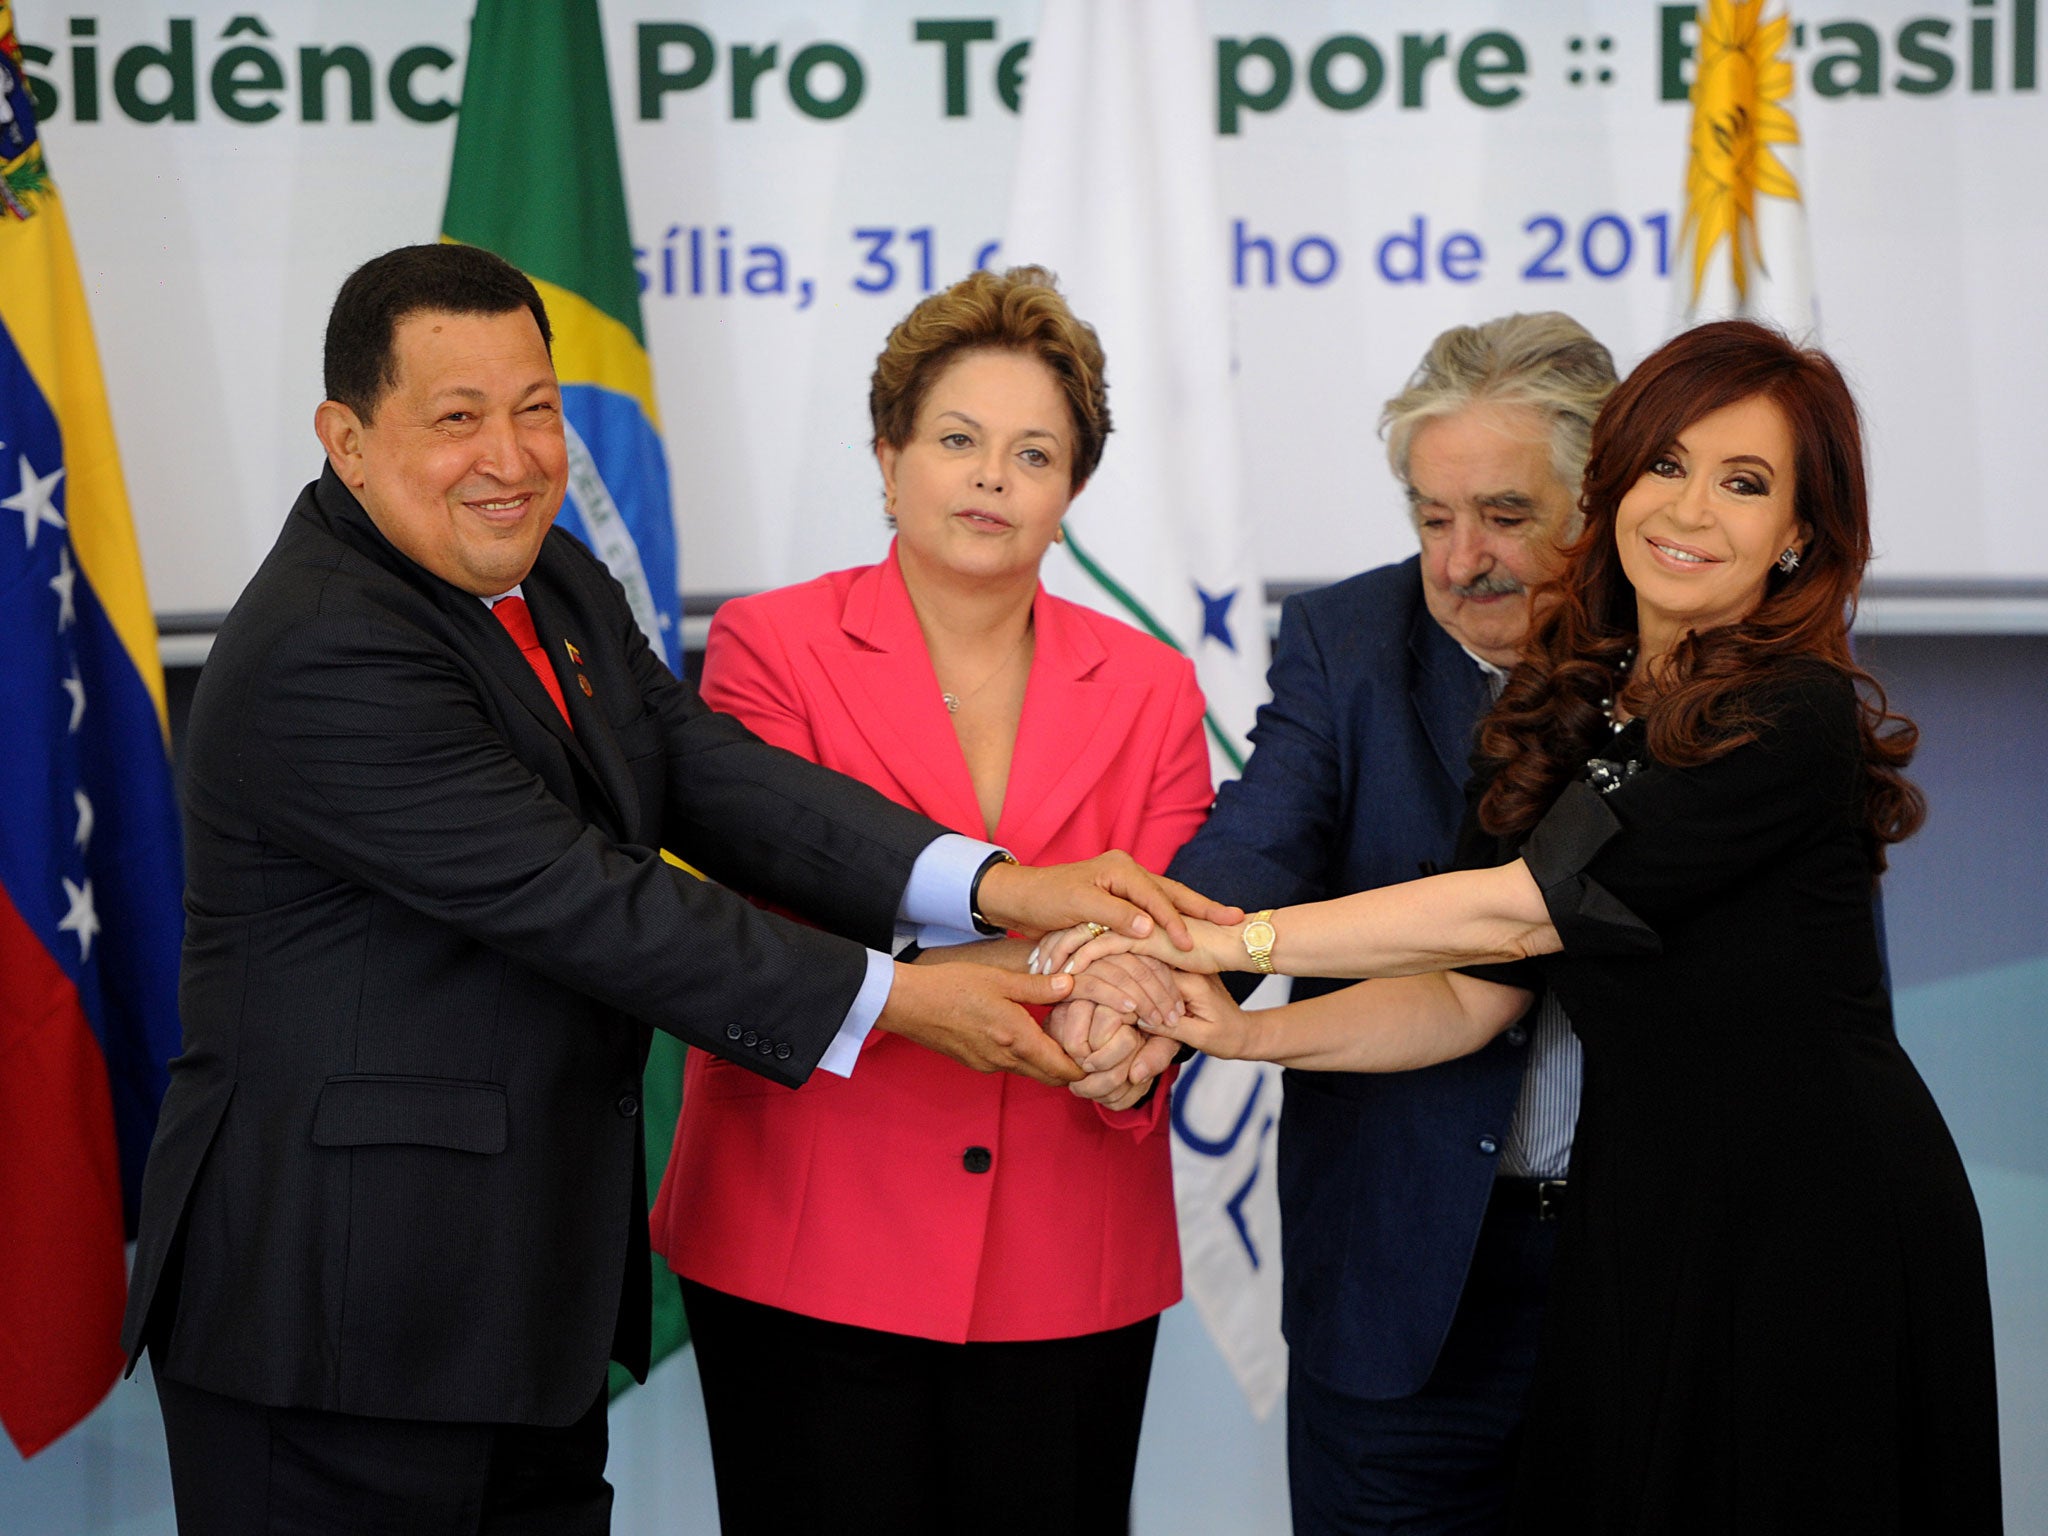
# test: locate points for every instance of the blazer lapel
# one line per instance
(881, 670)
(1072, 732)
(1450, 694)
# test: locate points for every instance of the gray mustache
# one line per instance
(1495, 583)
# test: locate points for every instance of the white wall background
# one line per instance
(212, 248)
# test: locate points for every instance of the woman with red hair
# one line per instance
(1769, 1311)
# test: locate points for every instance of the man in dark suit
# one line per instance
(394, 1220)
(1414, 1207)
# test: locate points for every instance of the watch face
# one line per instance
(1258, 936)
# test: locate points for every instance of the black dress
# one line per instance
(1769, 1311)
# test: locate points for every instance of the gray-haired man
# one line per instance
(1416, 1208)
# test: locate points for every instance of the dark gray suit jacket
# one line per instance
(399, 1168)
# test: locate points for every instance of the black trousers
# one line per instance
(1439, 1463)
(822, 1427)
(241, 1469)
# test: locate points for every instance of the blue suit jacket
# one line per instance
(1357, 780)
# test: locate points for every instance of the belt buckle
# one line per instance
(1549, 1199)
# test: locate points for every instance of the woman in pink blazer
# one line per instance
(925, 1299)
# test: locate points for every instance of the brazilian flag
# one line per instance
(536, 179)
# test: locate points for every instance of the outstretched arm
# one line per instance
(1377, 1026)
(1467, 917)
(1112, 889)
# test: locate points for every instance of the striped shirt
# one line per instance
(1539, 1139)
(1539, 1144)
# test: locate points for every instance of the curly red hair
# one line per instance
(1550, 716)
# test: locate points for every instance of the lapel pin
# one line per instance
(575, 656)
(584, 683)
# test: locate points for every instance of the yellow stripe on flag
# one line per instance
(43, 305)
(592, 348)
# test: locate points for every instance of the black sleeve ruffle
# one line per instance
(1588, 918)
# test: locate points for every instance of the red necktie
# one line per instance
(513, 613)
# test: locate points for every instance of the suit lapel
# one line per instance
(1073, 730)
(508, 666)
(591, 745)
(592, 742)
(1450, 694)
(882, 672)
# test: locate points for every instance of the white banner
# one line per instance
(1115, 188)
(800, 174)
(1227, 1192)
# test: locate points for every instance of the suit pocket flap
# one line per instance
(366, 1110)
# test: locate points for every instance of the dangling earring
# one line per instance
(1788, 562)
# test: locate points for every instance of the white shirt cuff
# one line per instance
(936, 910)
(937, 906)
(844, 1050)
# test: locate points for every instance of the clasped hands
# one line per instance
(1136, 1002)
(1098, 1040)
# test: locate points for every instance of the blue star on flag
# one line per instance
(1216, 614)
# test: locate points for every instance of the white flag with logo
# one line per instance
(1744, 248)
(1115, 191)
(1224, 1187)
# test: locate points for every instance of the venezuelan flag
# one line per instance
(536, 179)
(90, 872)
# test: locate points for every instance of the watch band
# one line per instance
(981, 924)
(1258, 941)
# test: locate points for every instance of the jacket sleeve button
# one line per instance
(750, 1039)
(629, 1106)
(977, 1160)
(732, 1031)
(782, 1051)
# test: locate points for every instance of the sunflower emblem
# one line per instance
(1739, 111)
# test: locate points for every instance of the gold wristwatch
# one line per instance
(1258, 942)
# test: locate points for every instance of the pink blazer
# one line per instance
(852, 1199)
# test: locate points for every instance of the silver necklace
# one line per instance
(1609, 774)
(955, 700)
(1621, 681)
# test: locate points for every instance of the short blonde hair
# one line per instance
(1020, 310)
(1546, 361)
